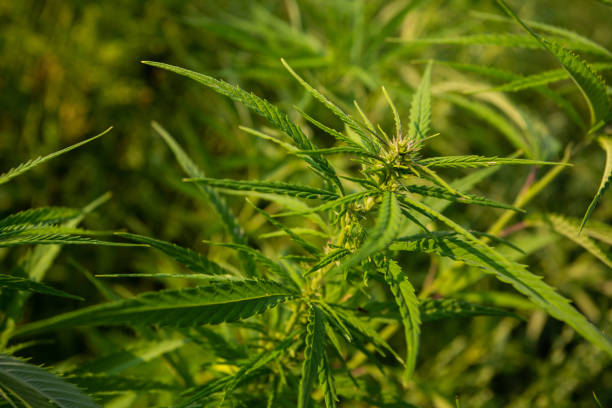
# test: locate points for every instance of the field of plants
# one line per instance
(306, 203)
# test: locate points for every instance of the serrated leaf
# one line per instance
(192, 170)
(570, 228)
(327, 381)
(382, 234)
(38, 217)
(408, 304)
(330, 205)
(463, 198)
(606, 179)
(110, 384)
(313, 355)
(123, 359)
(224, 302)
(19, 283)
(448, 308)
(332, 256)
(370, 144)
(363, 329)
(592, 87)
(39, 388)
(190, 259)
(473, 161)
(262, 108)
(420, 108)
(474, 252)
(274, 187)
(30, 164)
(257, 256)
(539, 79)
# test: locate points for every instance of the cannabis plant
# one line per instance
(303, 323)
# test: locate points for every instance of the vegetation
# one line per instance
(340, 252)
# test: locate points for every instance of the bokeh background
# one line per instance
(71, 68)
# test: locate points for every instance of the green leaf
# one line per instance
(448, 308)
(474, 252)
(134, 355)
(225, 302)
(592, 87)
(192, 170)
(330, 205)
(260, 360)
(262, 108)
(313, 355)
(606, 179)
(299, 240)
(382, 234)
(18, 283)
(30, 164)
(326, 379)
(37, 217)
(256, 254)
(473, 161)
(36, 387)
(332, 256)
(274, 187)
(365, 330)
(191, 259)
(359, 128)
(111, 384)
(539, 79)
(408, 304)
(570, 229)
(420, 108)
(463, 198)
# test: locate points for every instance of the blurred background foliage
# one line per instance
(71, 68)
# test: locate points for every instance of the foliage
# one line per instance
(354, 272)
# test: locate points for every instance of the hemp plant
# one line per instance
(295, 330)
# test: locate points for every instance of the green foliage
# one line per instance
(36, 387)
(371, 260)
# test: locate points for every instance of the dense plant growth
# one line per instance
(328, 306)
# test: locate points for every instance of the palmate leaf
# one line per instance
(420, 108)
(382, 234)
(313, 355)
(30, 164)
(264, 109)
(332, 256)
(191, 259)
(18, 283)
(257, 256)
(36, 387)
(192, 170)
(224, 302)
(408, 305)
(274, 187)
(474, 252)
(592, 87)
(606, 179)
(448, 308)
(473, 161)
(570, 228)
(53, 236)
